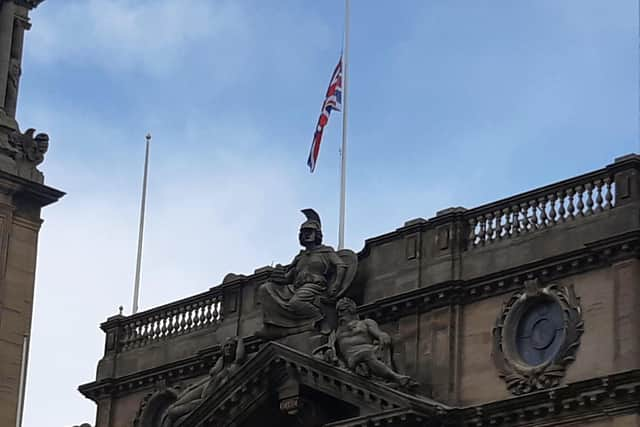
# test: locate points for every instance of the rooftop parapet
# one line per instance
(434, 251)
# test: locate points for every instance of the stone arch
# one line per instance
(154, 406)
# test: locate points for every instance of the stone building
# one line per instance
(22, 195)
(520, 312)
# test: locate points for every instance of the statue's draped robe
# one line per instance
(289, 305)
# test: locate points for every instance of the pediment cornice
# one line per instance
(276, 364)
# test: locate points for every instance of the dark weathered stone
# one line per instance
(521, 375)
(22, 196)
(298, 297)
(434, 287)
(362, 347)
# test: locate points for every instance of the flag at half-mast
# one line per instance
(332, 101)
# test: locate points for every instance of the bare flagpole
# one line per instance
(136, 286)
(343, 151)
(23, 380)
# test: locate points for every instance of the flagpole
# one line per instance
(343, 151)
(136, 286)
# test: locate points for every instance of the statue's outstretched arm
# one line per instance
(336, 286)
(341, 269)
(217, 367)
(377, 333)
(240, 351)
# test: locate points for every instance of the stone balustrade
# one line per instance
(543, 208)
(180, 317)
(572, 201)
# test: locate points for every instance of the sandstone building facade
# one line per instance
(520, 312)
(22, 195)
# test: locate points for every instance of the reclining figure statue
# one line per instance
(359, 345)
(233, 355)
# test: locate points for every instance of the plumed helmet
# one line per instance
(313, 220)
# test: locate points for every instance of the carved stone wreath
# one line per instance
(553, 337)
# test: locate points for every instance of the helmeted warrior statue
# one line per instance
(296, 296)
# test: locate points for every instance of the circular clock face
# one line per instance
(539, 332)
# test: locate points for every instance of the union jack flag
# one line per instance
(332, 101)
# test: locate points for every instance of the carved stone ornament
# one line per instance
(536, 336)
(360, 346)
(302, 295)
(25, 151)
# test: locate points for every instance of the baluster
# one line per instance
(533, 217)
(599, 198)
(188, 319)
(608, 196)
(580, 204)
(196, 315)
(183, 321)
(524, 211)
(175, 321)
(542, 205)
(202, 315)
(165, 324)
(209, 311)
(589, 191)
(561, 210)
(511, 219)
(505, 225)
(570, 203)
(149, 330)
(220, 310)
(481, 233)
(498, 226)
(158, 326)
(488, 237)
(515, 220)
(152, 328)
(139, 333)
(214, 310)
(551, 198)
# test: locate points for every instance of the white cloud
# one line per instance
(146, 36)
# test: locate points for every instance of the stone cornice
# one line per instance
(21, 187)
(29, 4)
(594, 255)
(611, 395)
(276, 363)
(589, 399)
(597, 397)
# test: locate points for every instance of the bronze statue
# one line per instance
(362, 347)
(294, 298)
(233, 355)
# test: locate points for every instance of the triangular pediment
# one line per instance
(278, 377)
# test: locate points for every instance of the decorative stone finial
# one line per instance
(120, 310)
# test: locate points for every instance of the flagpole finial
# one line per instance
(148, 136)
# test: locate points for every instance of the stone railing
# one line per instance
(167, 321)
(564, 202)
(542, 208)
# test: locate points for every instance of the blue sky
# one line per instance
(452, 103)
